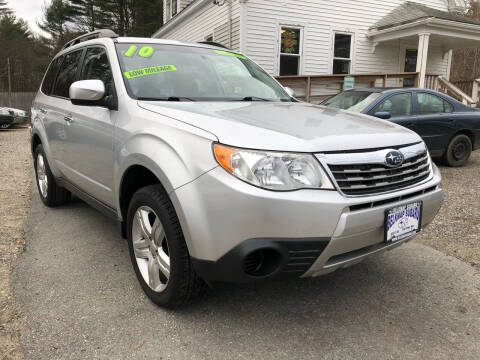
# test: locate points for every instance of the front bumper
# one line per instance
(225, 219)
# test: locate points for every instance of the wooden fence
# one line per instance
(17, 100)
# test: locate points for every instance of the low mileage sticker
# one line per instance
(151, 70)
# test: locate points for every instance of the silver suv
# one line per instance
(215, 172)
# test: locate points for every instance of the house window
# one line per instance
(290, 51)
(171, 8)
(342, 53)
(167, 10)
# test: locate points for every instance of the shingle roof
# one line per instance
(412, 11)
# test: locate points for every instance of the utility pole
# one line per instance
(9, 83)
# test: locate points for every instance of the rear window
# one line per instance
(47, 84)
(67, 73)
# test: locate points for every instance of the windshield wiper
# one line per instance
(254, 98)
(169, 98)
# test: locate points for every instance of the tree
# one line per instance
(148, 17)
(465, 64)
(60, 22)
(57, 17)
(28, 57)
(126, 17)
(91, 14)
(12, 29)
(473, 11)
(4, 10)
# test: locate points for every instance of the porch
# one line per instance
(416, 39)
(418, 29)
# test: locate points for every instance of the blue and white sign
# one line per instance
(403, 221)
(348, 82)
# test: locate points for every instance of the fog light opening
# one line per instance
(262, 262)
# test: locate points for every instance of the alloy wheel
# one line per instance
(151, 248)
(42, 176)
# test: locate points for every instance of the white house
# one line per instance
(319, 37)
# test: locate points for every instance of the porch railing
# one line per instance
(469, 87)
(315, 88)
(466, 85)
(457, 93)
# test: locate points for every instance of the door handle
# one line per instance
(68, 118)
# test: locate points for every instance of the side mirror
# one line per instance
(290, 92)
(383, 115)
(87, 92)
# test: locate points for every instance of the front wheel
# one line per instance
(458, 151)
(158, 250)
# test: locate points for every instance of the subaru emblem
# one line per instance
(394, 158)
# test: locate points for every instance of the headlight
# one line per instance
(273, 170)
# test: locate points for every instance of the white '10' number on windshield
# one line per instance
(145, 51)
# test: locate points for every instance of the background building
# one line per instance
(321, 37)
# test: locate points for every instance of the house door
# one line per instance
(410, 66)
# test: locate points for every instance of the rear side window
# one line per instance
(67, 74)
(47, 84)
(97, 67)
(432, 104)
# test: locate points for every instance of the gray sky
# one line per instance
(29, 10)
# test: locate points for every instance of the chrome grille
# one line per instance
(365, 173)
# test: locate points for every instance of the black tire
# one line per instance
(183, 283)
(55, 195)
(458, 151)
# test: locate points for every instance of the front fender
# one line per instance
(176, 158)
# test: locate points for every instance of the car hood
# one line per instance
(282, 126)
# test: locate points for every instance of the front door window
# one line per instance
(97, 67)
(397, 105)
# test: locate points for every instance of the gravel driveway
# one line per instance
(15, 180)
(80, 298)
(456, 229)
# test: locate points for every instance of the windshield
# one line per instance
(183, 73)
(352, 100)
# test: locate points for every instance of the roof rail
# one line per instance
(213, 43)
(101, 33)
